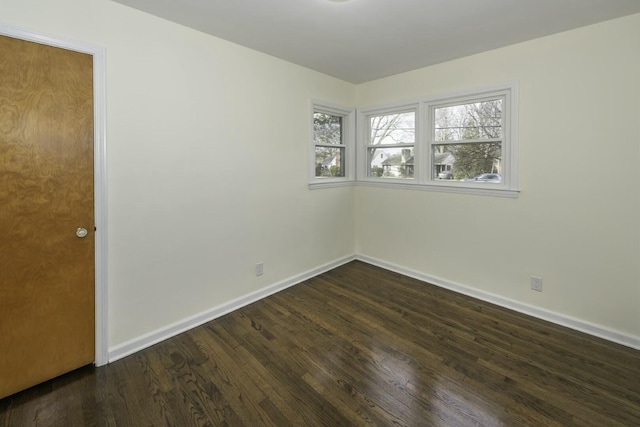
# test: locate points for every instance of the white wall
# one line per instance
(576, 222)
(207, 146)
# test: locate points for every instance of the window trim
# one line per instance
(348, 142)
(425, 139)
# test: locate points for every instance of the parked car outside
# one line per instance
(445, 175)
(485, 177)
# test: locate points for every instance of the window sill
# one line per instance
(407, 185)
(480, 191)
(330, 184)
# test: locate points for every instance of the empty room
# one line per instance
(319, 212)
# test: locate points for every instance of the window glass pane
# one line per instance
(480, 162)
(327, 129)
(329, 162)
(397, 128)
(477, 120)
(391, 162)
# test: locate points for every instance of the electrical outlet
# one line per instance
(259, 268)
(536, 283)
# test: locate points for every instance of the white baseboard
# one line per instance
(147, 340)
(540, 313)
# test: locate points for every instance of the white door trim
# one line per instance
(99, 173)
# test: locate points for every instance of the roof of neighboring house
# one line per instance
(396, 160)
(439, 159)
(329, 161)
(378, 159)
(443, 159)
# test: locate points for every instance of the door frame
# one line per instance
(99, 173)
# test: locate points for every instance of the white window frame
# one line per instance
(425, 140)
(348, 143)
(365, 117)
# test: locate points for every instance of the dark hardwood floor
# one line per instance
(355, 346)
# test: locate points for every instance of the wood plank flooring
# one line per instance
(355, 346)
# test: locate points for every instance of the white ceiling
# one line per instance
(363, 40)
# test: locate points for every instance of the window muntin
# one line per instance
(390, 145)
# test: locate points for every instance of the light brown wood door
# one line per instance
(46, 193)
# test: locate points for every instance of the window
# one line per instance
(467, 141)
(332, 145)
(329, 143)
(469, 144)
(390, 145)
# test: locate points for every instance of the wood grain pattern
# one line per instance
(355, 346)
(46, 193)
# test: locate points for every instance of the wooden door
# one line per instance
(46, 193)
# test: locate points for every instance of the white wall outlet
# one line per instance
(536, 283)
(260, 268)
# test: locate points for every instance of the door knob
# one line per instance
(81, 232)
